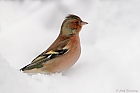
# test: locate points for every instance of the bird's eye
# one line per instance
(77, 22)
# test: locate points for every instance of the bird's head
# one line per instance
(72, 25)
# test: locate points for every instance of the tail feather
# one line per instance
(24, 68)
(32, 66)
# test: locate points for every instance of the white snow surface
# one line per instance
(110, 59)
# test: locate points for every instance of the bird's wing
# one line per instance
(52, 52)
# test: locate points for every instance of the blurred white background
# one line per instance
(110, 59)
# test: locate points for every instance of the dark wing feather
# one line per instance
(55, 50)
(41, 59)
(37, 64)
(44, 57)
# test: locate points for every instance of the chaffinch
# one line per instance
(64, 51)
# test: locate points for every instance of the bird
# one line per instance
(63, 52)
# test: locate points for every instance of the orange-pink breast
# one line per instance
(67, 60)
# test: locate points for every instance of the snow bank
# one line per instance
(13, 81)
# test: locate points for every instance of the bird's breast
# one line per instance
(67, 60)
(74, 51)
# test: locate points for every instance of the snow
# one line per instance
(109, 62)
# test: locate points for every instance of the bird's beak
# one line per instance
(83, 23)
